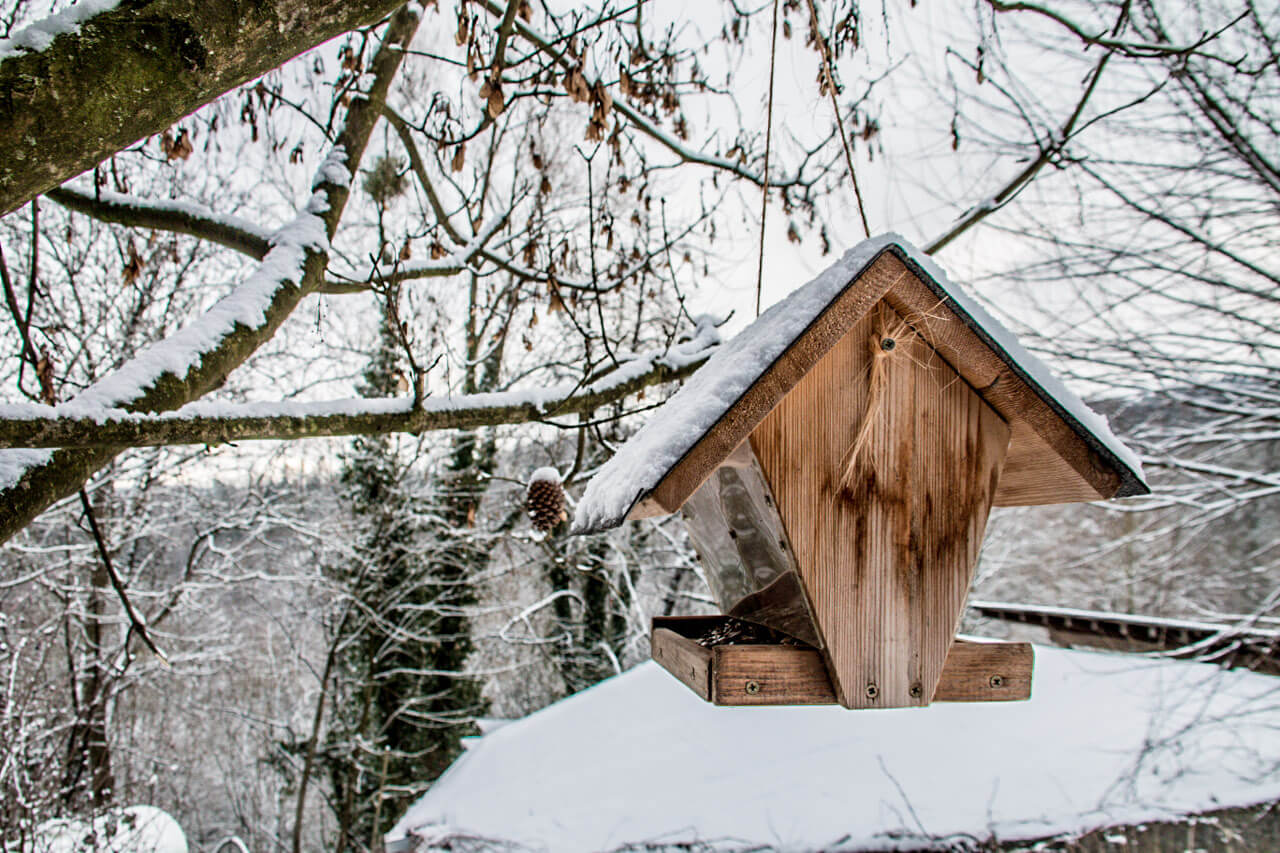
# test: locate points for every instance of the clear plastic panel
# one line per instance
(736, 530)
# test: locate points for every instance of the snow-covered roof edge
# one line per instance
(646, 459)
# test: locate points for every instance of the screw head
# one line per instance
(753, 687)
(997, 681)
(915, 691)
(872, 691)
(888, 344)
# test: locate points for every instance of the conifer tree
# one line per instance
(402, 702)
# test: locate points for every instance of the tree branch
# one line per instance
(1005, 194)
(28, 425)
(199, 357)
(133, 70)
(175, 216)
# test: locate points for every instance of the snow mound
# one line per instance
(135, 829)
(639, 759)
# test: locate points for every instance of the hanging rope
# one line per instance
(825, 50)
(768, 145)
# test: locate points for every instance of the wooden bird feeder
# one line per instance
(835, 464)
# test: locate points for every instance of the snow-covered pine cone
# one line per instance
(544, 500)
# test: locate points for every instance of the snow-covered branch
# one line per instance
(198, 358)
(97, 77)
(177, 216)
(80, 423)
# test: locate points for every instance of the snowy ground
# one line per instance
(639, 759)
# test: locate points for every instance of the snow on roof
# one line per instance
(642, 463)
(1105, 739)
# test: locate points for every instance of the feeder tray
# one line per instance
(784, 671)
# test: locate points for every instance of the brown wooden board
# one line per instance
(986, 672)
(685, 659)
(887, 558)
(763, 675)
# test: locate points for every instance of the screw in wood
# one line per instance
(997, 681)
(872, 691)
(753, 687)
(915, 691)
(888, 344)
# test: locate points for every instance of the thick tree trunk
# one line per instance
(136, 69)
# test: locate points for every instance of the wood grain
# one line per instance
(791, 675)
(1049, 462)
(1035, 475)
(887, 564)
(986, 672)
(769, 675)
(845, 310)
(684, 659)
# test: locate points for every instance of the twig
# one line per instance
(981, 211)
(825, 50)
(136, 623)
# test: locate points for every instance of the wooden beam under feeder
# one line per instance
(836, 464)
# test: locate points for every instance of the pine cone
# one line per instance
(544, 500)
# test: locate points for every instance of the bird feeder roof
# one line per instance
(1060, 450)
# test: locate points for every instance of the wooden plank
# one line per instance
(754, 676)
(769, 675)
(684, 659)
(719, 441)
(986, 672)
(1035, 475)
(886, 563)
(1058, 466)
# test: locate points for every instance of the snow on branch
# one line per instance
(83, 423)
(38, 35)
(176, 216)
(179, 361)
(248, 306)
(198, 358)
